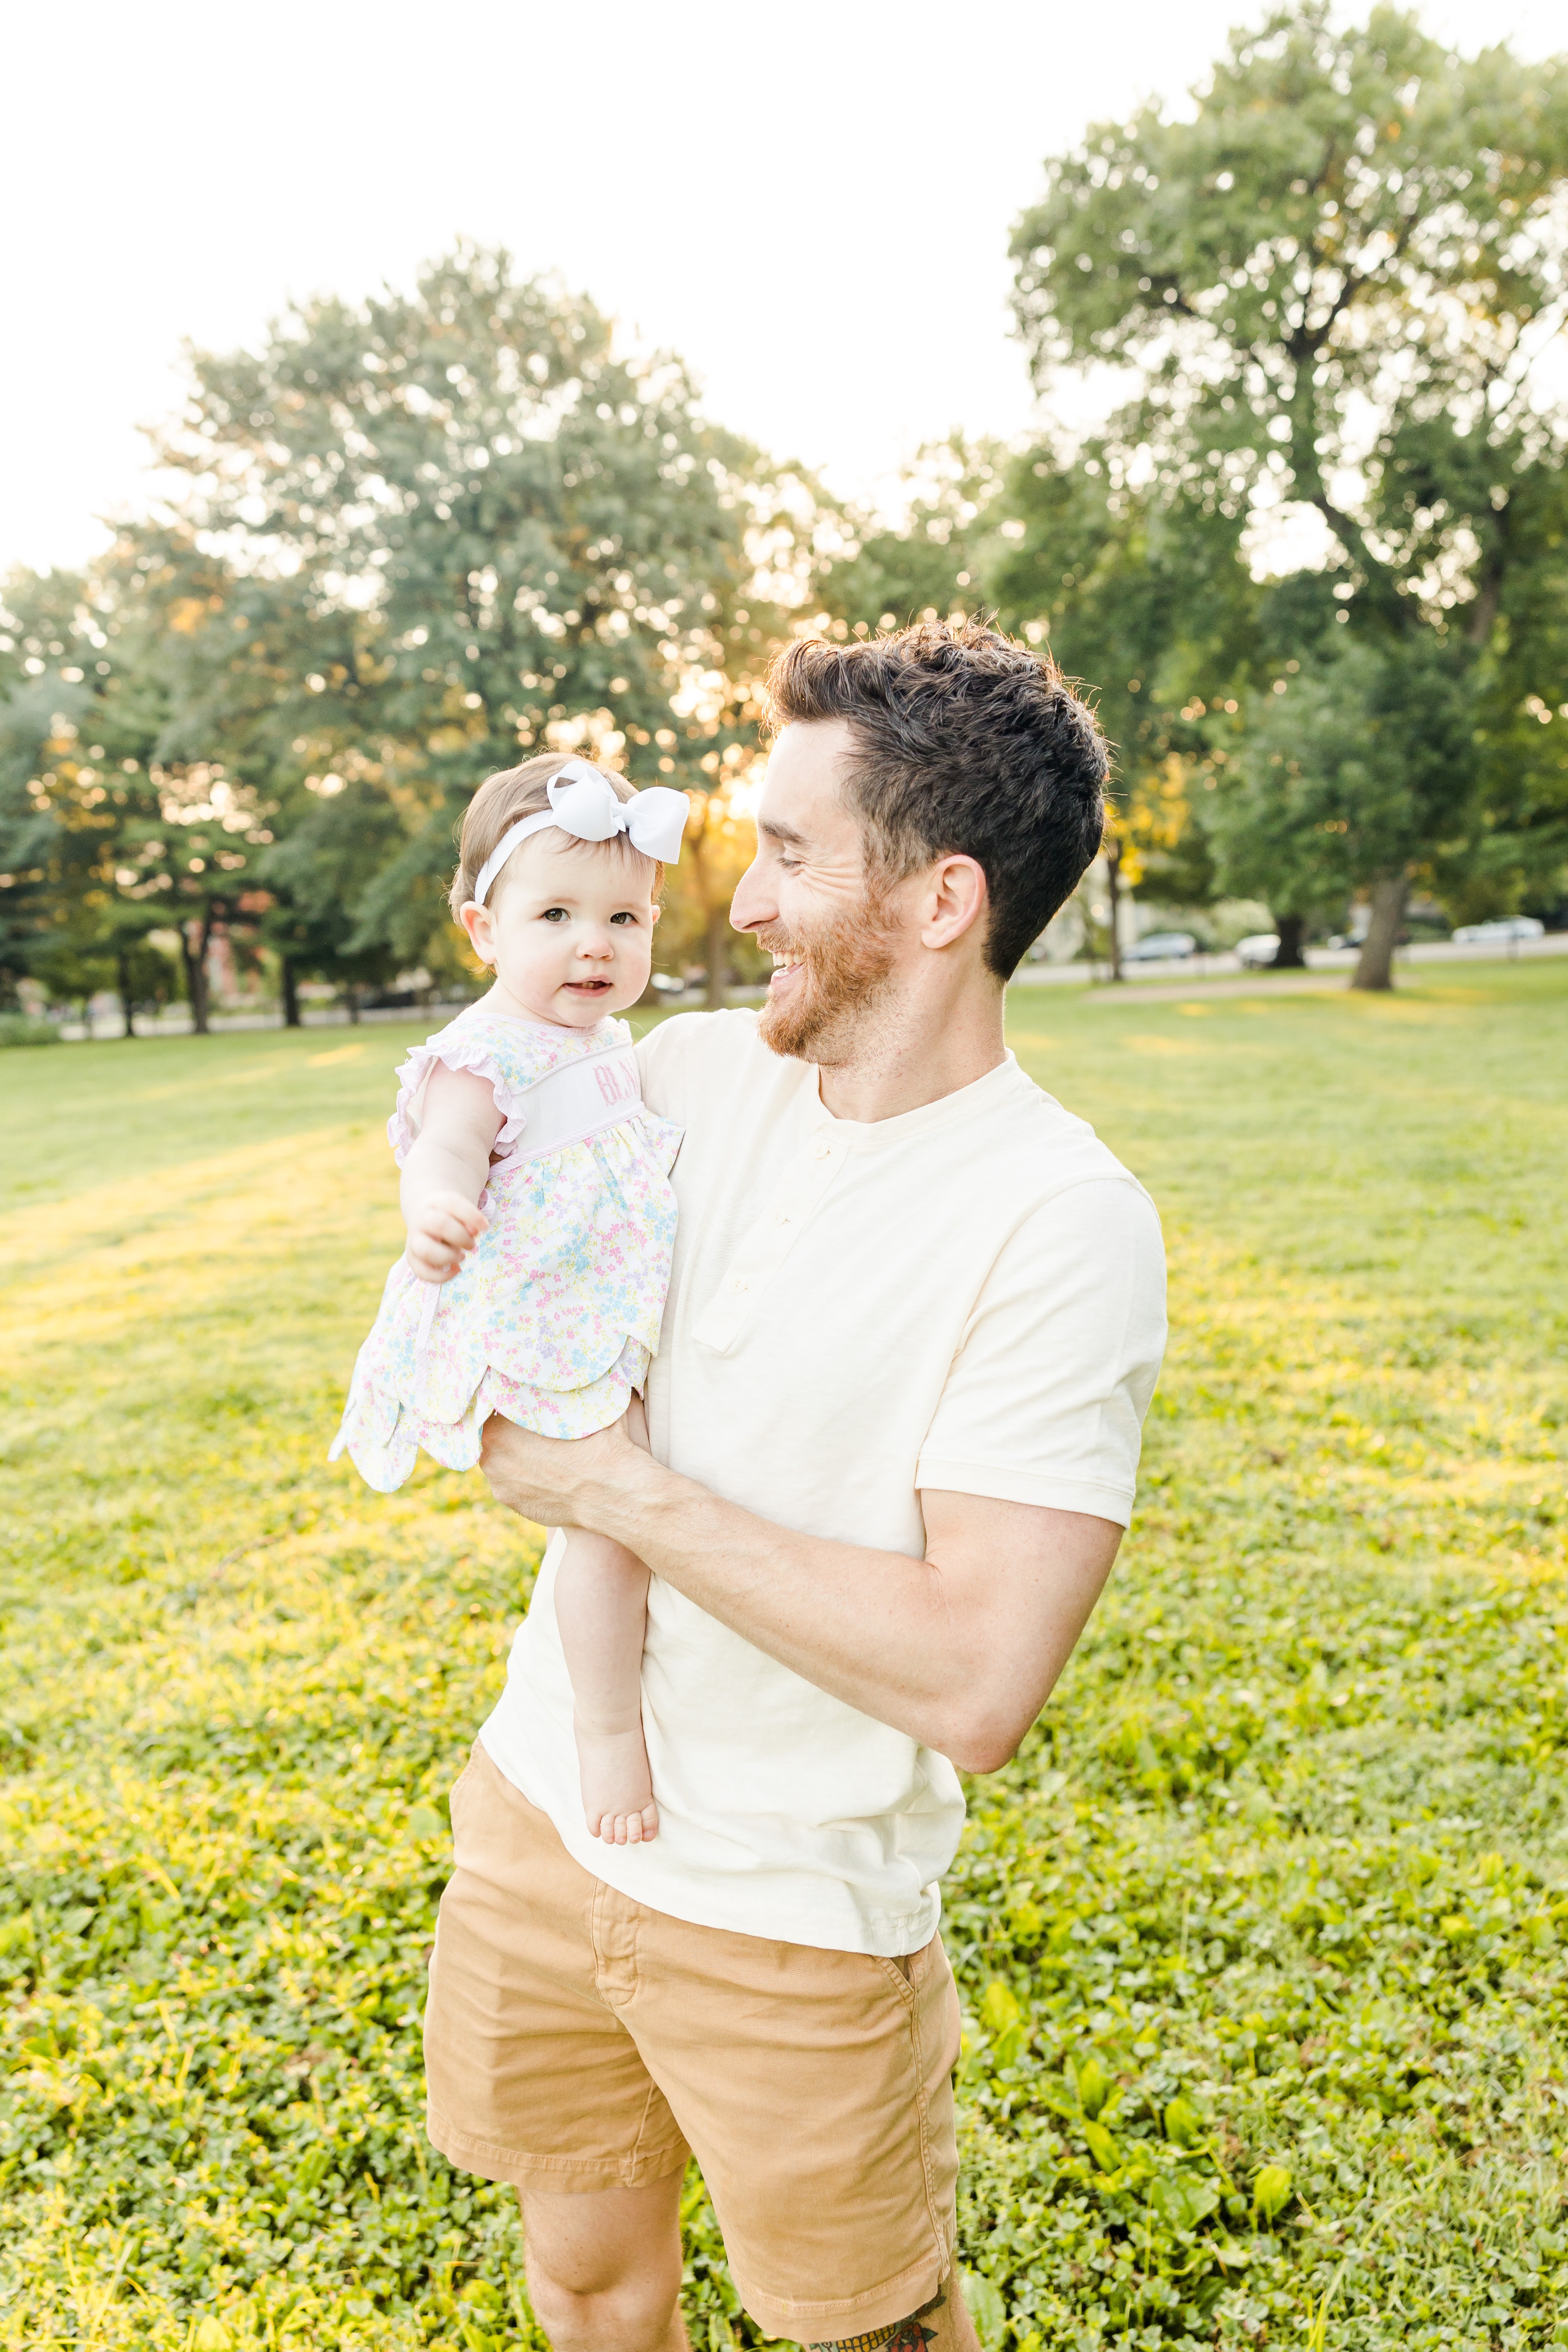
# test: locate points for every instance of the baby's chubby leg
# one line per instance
(601, 1607)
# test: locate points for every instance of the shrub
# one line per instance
(21, 1029)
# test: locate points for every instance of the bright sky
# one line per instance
(813, 205)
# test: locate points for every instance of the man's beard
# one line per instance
(846, 966)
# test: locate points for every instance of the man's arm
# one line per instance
(960, 1649)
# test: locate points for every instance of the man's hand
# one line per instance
(442, 1229)
(554, 1480)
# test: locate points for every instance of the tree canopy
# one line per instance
(1333, 292)
(421, 537)
(492, 535)
(1311, 559)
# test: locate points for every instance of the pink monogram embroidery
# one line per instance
(616, 1083)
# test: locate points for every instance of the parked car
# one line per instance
(1261, 948)
(1160, 947)
(1509, 926)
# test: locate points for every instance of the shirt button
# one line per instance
(820, 1146)
(739, 1284)
(781, 1216)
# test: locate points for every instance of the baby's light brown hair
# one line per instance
(517, 793)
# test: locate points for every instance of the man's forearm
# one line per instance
(958, 1649)
(859, 1622)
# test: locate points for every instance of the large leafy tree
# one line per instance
(455, 528)
(232, 649)
(1334, 776)
(79, 718)
(42, 693)
(1334, 290)
(109, 833)
(317, 873)
(1136, 596)
(1133, 599)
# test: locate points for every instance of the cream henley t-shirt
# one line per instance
(969, 1296)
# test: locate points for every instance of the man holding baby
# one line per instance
(914, 1322)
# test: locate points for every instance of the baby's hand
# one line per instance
(441, 1232)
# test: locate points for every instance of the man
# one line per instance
(914, 1324)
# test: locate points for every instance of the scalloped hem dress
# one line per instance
(555, 1312)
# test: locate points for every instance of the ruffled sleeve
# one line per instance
(460, 1048)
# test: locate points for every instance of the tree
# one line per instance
(224, 647)
(457, 528)
(316, 875)
(694, 924)
(50, 843)
(880, 574)
(718, 718)
(1333, 288)
(77, 790)
(1052, 542)
(1135, 597)
(1333, 777)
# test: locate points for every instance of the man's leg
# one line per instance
(814, 2086)
(941, 2326)
(533, 2078)
(603, 2268)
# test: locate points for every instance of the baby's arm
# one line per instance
(445, 1169)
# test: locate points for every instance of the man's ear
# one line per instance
(479, 925)
(954, 899)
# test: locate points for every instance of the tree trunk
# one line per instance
(1376, 967)
(715, 917)
(291, 992)
(352, 998)
(1293, 931)
(1113, 848)
(195, 958)
(128, 1010)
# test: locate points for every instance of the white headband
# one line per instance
(583, 802)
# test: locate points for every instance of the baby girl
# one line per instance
(540, 1218)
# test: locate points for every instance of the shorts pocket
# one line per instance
(900, 1975)
(457, 1785)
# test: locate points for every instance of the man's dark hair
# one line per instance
(965, 742)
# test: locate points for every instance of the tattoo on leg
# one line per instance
(903, 2336)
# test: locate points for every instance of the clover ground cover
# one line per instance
(1261, 1938)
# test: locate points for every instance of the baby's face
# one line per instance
(568, 930)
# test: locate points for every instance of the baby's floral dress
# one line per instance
(555, 1311)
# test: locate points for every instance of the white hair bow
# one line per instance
(583, 803)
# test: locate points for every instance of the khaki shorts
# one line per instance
(576, 2039)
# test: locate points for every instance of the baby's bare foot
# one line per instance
(617, 1788)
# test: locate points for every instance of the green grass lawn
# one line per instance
(1261, 1938)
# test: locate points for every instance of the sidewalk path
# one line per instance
(1285, 983)
(1219, 976)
